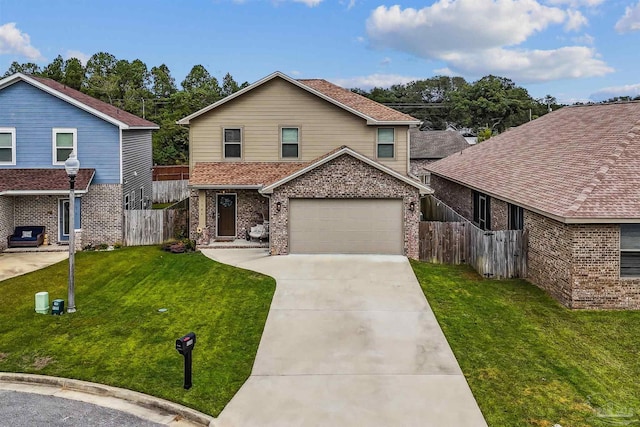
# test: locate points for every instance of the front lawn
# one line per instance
(118, 336)
(528, 360)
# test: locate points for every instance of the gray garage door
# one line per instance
(346, 226)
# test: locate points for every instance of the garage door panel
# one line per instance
(357, 226)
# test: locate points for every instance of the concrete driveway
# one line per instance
(349, 340)
(18, 263)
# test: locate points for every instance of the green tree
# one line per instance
(55, 70)
(26, 68)
(100, 77)
(162, 84)
(229, 85)
(73, 73)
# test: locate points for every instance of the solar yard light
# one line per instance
(72, 166)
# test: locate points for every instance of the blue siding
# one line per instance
(34, 113)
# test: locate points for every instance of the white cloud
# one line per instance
(531, 65)
(630, 21)
(575, 20)
(584, 39)
(14, 41)
(632, 90)
(295, 73)
(360, 39)
(479, 37)
(310, 3)
(576, 3)
(83, 57)
(385, 61)
(373, 80)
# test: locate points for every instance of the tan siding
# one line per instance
(262, 111)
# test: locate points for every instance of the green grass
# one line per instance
(118, 337)
(530, 361)
(161, 205)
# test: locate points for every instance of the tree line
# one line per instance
(149, 93)
(484, 107)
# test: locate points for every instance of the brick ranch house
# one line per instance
(327, 169)
(571, 178)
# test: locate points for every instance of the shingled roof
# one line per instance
(240, 174)
(374, 112)
(577, 164)
(42, 181)
(435, 144)
(106, 111)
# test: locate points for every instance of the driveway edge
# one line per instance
(140, 399)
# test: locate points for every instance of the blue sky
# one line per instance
(575, 50)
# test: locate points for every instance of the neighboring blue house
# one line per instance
(41, 121)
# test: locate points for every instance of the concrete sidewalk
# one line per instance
(349, 340)
(18, 263)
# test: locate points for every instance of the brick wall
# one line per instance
(6, 220)
(102, 214)
(344, 177)
(456, 196)
(38, 210)
(499, 214)
(596, 270)
(251, 207)
(549, 258)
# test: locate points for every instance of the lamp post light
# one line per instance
(72, 165)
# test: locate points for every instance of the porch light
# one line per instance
(412, 206)
(72, 166)
(278, 206)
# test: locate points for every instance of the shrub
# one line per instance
(178, 246)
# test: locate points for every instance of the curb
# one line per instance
(135, 397)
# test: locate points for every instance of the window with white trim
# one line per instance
(7, 146)
(482, 210)
(386, 143)
(232, 143)
(65, 140)
(290, 142)
(126, 202)
(629, 250)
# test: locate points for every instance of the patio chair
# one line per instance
(260, 231)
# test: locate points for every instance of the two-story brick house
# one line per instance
(41, 122)
(328, 169)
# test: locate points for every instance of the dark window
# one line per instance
(386, 143)
(232, 143)
(516, 217)
(290, 138)
(482, 210)
(630, 250)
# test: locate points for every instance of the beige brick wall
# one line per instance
(38, 210)
(251, 206)
(6, 220)
(344, 177)
(499, 214)
(102, 215)
(596, 270)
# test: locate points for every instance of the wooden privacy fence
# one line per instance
(170, 173)
(152, 227)
(170, 191)
(495, 254)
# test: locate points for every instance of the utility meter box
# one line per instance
(57, 307)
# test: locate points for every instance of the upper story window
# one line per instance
(629, 250)
(232, 143)
(290, 141)
(386, 143)
(65, 141)
(482, 210)
(7, 146)
(516, 217)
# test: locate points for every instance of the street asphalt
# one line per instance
(18, 409)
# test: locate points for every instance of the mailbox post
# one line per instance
(185, 345)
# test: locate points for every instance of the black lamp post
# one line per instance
(72, 165)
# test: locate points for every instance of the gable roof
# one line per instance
(577, 164)
(435, 144)
(42, 181)
(373, 112)
(340, 152)
(107, 112)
